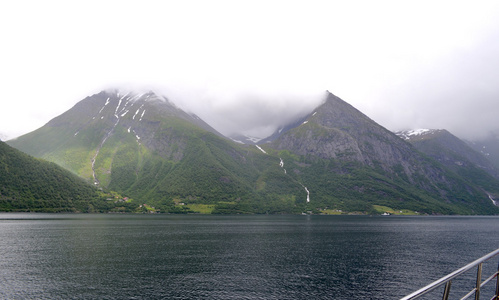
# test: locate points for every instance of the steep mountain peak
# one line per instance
(336, 113)
(328, 113)
(109, 121)
(128, 108)
(337, 129)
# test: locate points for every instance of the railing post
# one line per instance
(447, 290)
(478, 281)
(497, 284)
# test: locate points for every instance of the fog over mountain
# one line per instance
(458, 93)
(252, 113)
(250, 66)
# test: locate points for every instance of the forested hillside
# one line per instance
(31, 184)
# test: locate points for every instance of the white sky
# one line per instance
(250, 65)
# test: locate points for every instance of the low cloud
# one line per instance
(459, 92)
(240, 111)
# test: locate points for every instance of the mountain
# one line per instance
(29, 184)
(81, 135)
(456, 155)
(338, 142)
(449, 150)
(144, 147)
(333, 160)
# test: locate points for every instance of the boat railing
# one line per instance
(447, 280)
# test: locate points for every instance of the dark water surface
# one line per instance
(59, 256)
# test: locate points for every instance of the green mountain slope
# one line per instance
(30, 184)
(144, 147)
(334, 160)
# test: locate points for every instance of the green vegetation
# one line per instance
(34, 185)
(166, 163)
(30, 184)
(220, 177)
(201, 208)
(385, 209)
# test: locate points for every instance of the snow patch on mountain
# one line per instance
(117, 107)
(237, 141)
(107, 102)
(245, 139)
(253, 139)
(407, 134)
(261, 149)
(137, 97)
(138, 110)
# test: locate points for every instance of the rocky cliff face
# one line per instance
(336, 130)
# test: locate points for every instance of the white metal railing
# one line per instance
(447, 280)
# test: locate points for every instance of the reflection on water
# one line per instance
(47, 256)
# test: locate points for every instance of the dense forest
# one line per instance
(35, 185)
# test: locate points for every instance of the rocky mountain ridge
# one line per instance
(448, 149)
(335, 159)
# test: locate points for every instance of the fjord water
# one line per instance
(63, 256)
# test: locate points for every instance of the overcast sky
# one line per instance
(252, 65)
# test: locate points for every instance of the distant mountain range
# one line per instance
(449, 150)
(334, 160)
(456, 155)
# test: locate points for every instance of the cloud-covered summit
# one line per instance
(243, 65)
